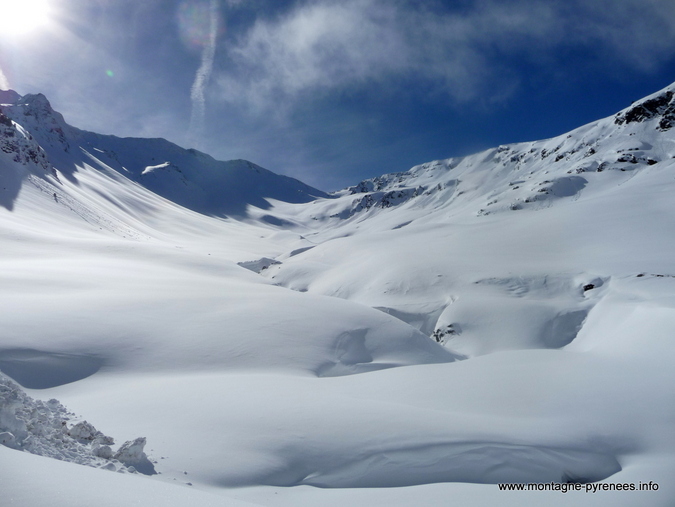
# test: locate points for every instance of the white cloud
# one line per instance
(4, 82)
(326, 45)
(318, 46)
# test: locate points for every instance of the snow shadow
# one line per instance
(563, 329)
(35, 369)
(472, 462)
(10, 186)
(425, 322)
(568, 186)
(351, 356)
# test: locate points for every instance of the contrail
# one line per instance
(197, 123)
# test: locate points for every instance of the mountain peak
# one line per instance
(9, 97)
(188, 177)
(660, 105)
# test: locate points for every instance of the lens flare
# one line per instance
(18, 17)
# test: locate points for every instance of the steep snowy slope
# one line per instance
(415, 339)
(529, 175)
(187, 177)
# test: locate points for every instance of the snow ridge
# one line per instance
(531, 175)
(187, 177)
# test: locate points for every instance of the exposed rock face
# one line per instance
(20, 145)
(662, 106)
(35, 115)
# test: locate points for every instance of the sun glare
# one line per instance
(18, 17)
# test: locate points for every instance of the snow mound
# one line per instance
(131, 454)
(41, 428)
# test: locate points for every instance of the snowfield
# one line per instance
(415, 339)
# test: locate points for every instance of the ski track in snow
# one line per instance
(89, 213)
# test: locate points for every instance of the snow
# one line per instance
(148, 169)
(41, 428)
(412, 340)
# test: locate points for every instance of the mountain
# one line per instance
(414, 339)
(187, 177)
(529, 175)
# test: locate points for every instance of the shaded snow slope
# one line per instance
(187, 177)
(419, 337)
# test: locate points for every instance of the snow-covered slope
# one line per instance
(539, 221)
(524, 176)
(187, 177)
(412, 340)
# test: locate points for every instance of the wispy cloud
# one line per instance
(322, 46)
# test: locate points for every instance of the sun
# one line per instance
(18, 17)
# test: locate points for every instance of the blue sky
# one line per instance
(332, 92)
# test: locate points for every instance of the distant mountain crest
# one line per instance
(187, 177)
(9, 97)
(529, 175)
